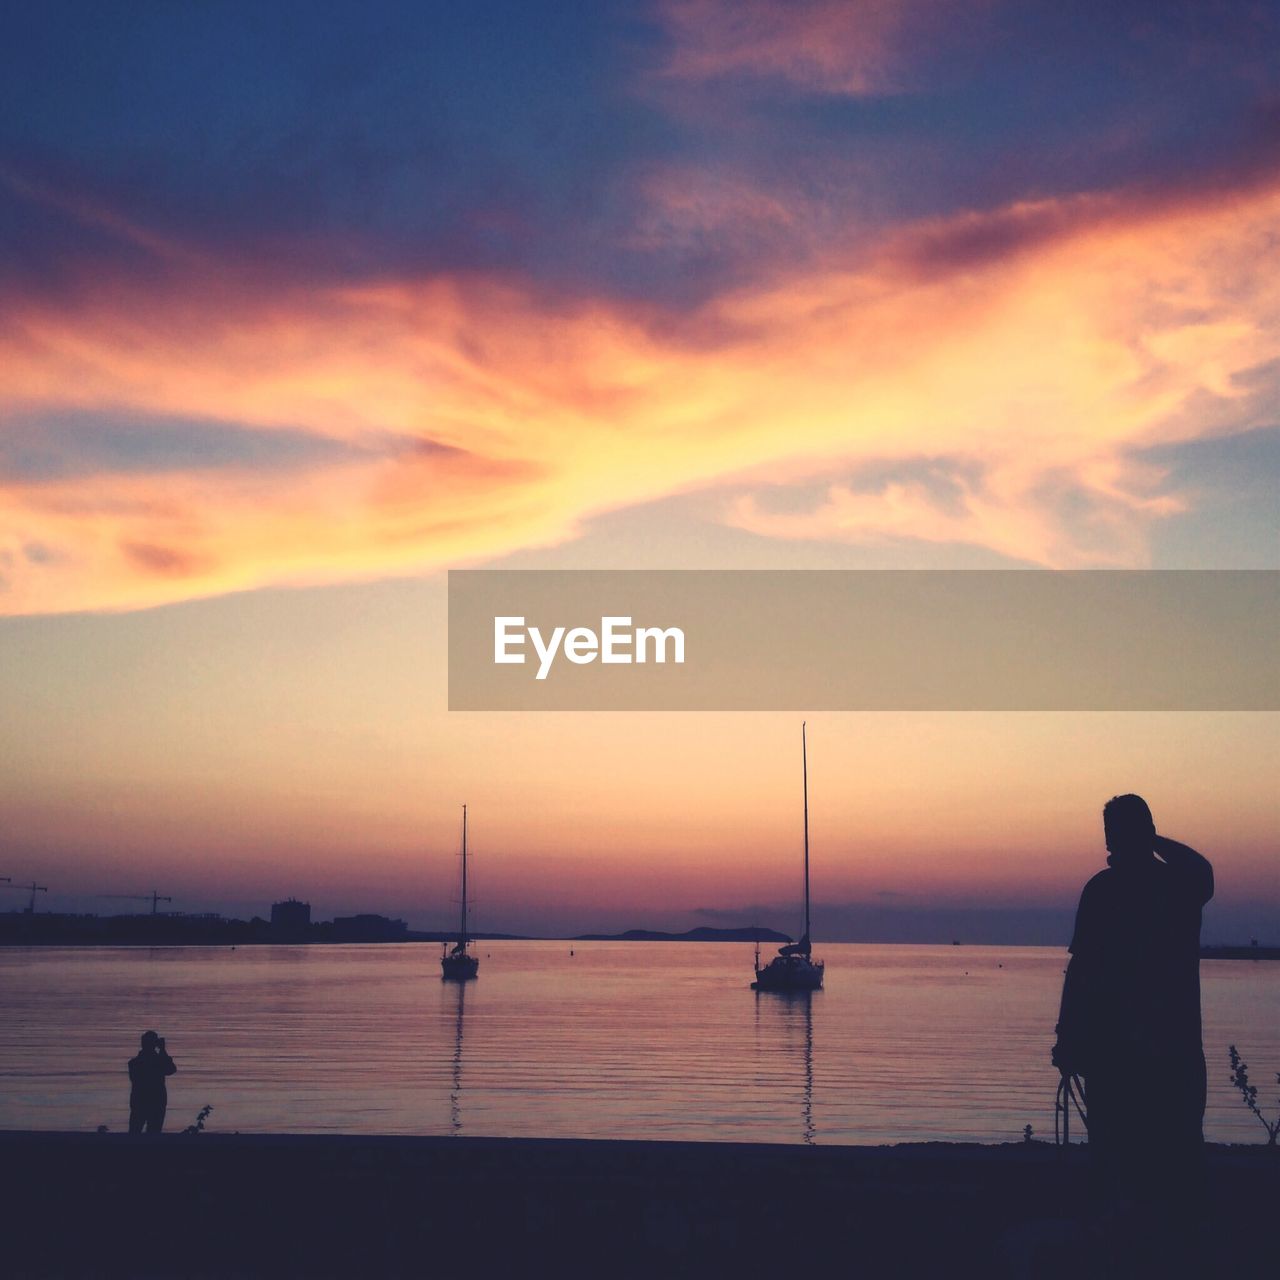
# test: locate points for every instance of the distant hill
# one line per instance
(704, 933)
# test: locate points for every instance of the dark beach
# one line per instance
(316, 1205)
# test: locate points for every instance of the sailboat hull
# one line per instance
(459, 968)
(789, 973)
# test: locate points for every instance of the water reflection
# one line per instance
(622, 1040)
(806, 1110)
(788, 1017)
(455, 1093)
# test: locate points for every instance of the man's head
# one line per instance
(150, 1039)
(1129, 829)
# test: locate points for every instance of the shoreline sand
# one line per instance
(315, 1205)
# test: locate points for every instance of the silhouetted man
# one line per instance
(1130, 1021)
(148, 1096)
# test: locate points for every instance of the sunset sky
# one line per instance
(301, 305)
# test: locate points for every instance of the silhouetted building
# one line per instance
(290, 919)
(369, 928)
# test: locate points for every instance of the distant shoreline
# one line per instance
(50, 929)
(54, 929)
(1206, 953)
(1239, 952)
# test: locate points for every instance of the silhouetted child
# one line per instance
(148, 1096)
(1130, 1026)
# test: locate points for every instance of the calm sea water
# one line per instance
(619, 1040)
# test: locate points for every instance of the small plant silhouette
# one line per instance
(1249, 1092)
(1028, 1133)
(198, 1127)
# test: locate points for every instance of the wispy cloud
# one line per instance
(837, 46)
(1036, 349)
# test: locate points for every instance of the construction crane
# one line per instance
(153, 897)
(32, 888)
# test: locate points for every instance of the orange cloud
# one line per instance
(482, 417)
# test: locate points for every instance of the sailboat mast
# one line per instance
(804, 767)
(462, 927)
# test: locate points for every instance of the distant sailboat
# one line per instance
(793, 968)
(458, 963)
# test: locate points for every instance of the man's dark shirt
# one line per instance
(1133, 990)
(146, 1077)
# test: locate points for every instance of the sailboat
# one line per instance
(794, 968)
(458, 963)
